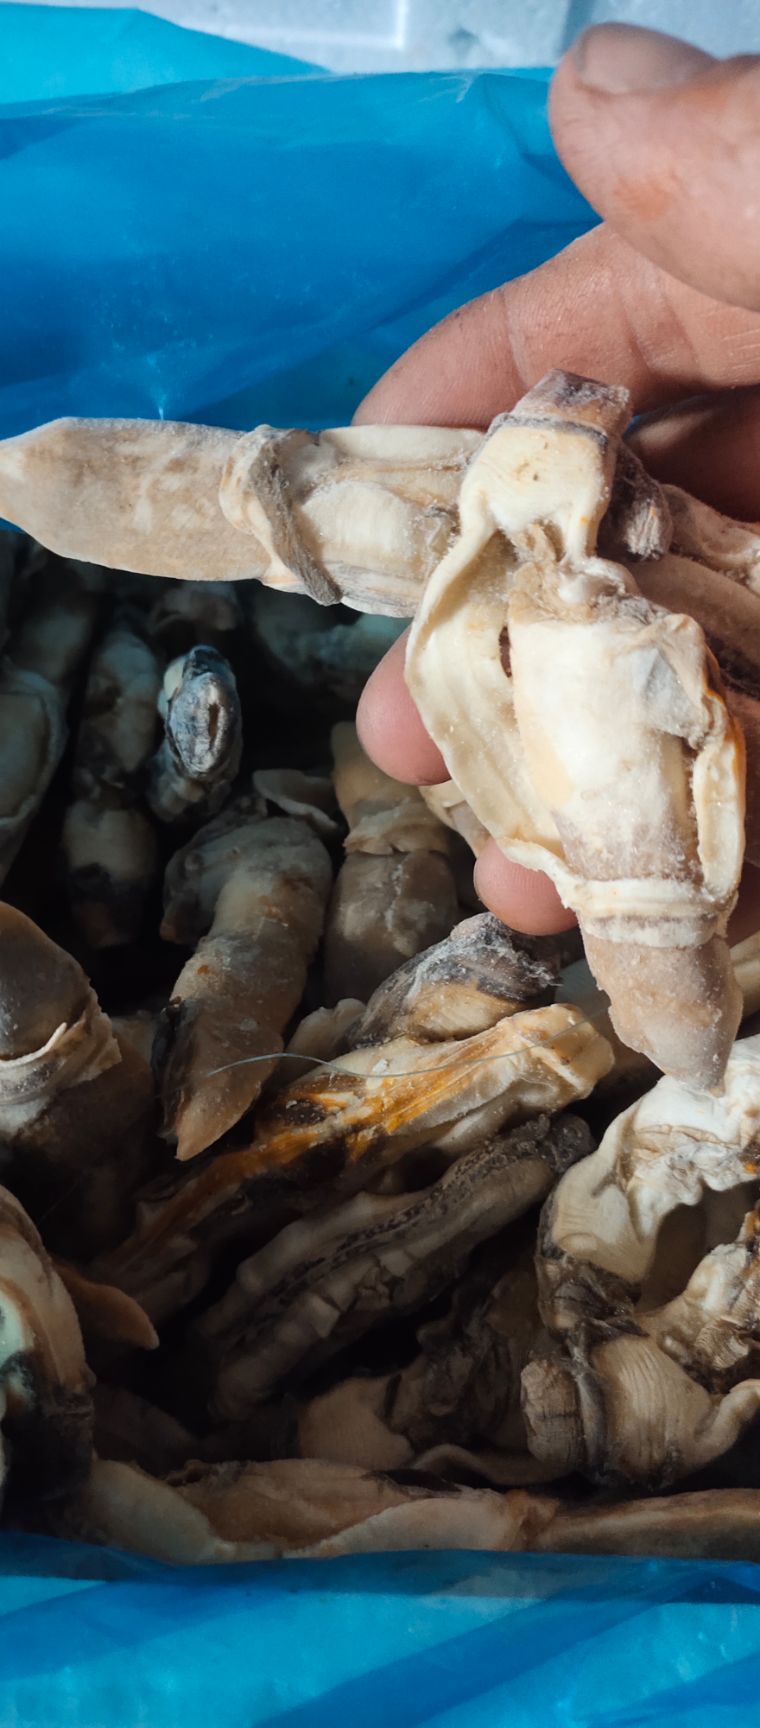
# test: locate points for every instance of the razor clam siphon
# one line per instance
(195, 765)
(503, 530)
(362, 514)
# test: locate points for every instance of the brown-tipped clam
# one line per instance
(329, 1133)
(258, 890)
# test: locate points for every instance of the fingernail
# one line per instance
(622, 59)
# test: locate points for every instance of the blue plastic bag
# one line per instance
(97, 1640)
(252, 248)
(256, 246)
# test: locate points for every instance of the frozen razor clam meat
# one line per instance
(251, 893)
(76, 1108)
(185, 614)
(112, 1323)
(323, 1282)
(324, 655)
(478, 974)
(395, 892)
(199, 757)
(631, 1073)
(455, 1408)
(56, 619)
(214, 1514)
(109, 841)
(451, 807)
(45, 1403)
(717, 1524)
(640, 822)
(317, 1039)
(291, 792)
(324, 1136)
(312, 1509)
(47, 648)
(361, 514)
(648, 1279)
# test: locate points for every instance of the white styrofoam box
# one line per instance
(414, 35)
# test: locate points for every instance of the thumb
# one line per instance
(665, 143)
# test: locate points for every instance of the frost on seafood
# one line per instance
(587, 726)
(647, 1272)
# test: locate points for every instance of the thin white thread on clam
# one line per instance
(356, 1074)
(338, 1063)
(321, 1062)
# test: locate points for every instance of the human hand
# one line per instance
(663, 297)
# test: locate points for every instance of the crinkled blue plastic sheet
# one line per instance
(192, 228)
(252, 247)
(96, 1640)
(56, 51)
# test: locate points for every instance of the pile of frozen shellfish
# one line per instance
(336, 1216)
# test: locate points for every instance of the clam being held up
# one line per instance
(321, 1234)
